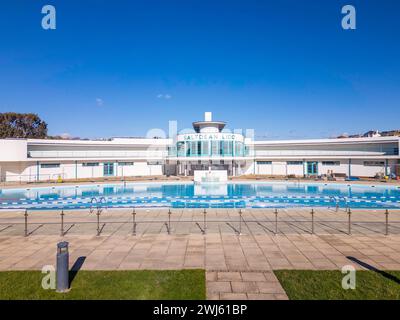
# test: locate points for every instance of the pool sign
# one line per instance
(210, 136)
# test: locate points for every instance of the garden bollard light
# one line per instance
(62, 272)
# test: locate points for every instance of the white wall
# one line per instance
(264, 169)
(28, 171)
(53, 173)
(358, 169)
(343, 168)
(125, 170)
(144, 169)
(17, 171)
(296, 169)
(13, 150)
(87, 171)
(279, 168)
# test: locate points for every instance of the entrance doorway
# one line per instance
(108, 169)
(312, 168)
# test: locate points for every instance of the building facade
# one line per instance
(209, 146)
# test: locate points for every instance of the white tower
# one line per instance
(207, 116)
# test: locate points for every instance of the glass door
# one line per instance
(108, 169)
(312, 168)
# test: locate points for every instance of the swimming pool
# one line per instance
(189, 195)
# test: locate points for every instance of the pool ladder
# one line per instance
(97, 203)
(336, 201)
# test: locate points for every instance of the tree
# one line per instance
(22, 125)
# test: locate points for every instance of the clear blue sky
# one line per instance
(284, 68)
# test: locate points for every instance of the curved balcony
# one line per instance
(146, 154)
(300, 153)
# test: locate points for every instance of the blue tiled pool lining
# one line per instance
(188, 195)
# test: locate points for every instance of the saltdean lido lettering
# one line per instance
(209, 136)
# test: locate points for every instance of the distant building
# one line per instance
(372, 134)
(208, 147)
(390, 133)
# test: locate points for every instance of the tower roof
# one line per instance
(208, 123)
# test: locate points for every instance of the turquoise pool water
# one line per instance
(188, 195)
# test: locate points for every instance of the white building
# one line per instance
(209, 147)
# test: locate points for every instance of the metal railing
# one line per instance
(202, 223)
(32, 178)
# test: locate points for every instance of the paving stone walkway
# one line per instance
(237, 266)
(244, 285)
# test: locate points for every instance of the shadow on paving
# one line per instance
(372, 268)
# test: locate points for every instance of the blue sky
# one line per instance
(283, 68)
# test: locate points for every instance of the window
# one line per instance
(108, 169)
(331, 163)
(125, 163)
(90, 164)
(215, 148)
(205, 148)
(294, 163)
(264, 162)
(49, 165)
(374, 163)
(227, 148)
(239, 150)
(154, 163)
(172, 151)
(180, 149)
